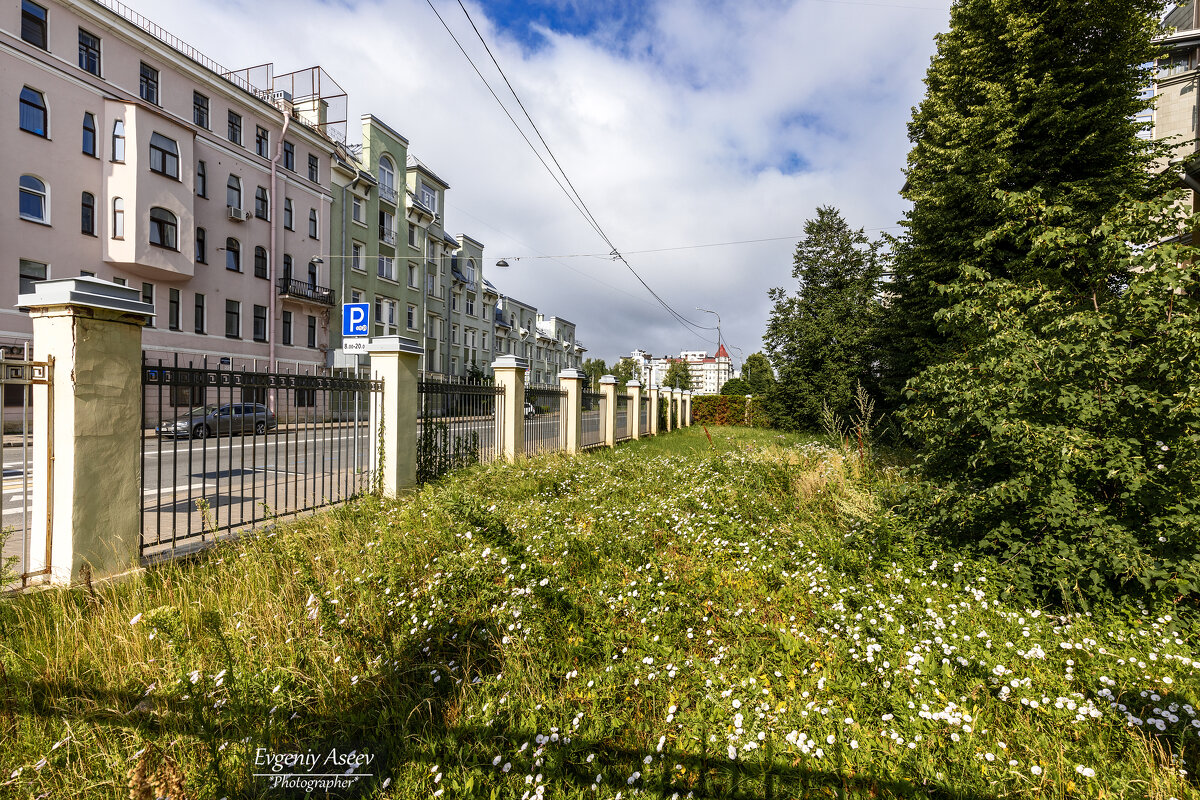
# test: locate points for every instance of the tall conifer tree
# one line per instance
(1022, 95)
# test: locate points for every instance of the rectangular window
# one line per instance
(235, 128)
(87, 214)
(31, 273)
(314, 168)
(305, 398)
(33, 24)
(262, 141)
(233, 319)
(312, 331)
(387, 268)
(201, 246)
(289, 214)
(412, 235)
(289, 156)
(356, 260)
(199, 321)
(470, 306)
(260, 323)
(148, 85)
(429, 198)
(89, 52)
(453, 334)
(200, 110)
(312, 223)
(148, 298)
(453, 302)
(356, 213)
(483, 340)
(411, 320)
(287, 327)
(173, 309)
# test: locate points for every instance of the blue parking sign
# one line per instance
(356, 319)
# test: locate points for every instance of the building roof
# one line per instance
(722, 352)
(1181, 17)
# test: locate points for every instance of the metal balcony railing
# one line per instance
(387, 235)
(303, 290)
(387, 193)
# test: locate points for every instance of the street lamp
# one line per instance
(718, 316)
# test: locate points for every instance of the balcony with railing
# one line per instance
(387, 235)
(387, 194)
(305, 292)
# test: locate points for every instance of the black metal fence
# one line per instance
(225, 450)
(623, 430)
(459, 424)
(594, 420)
(18, 375)
(545, 419)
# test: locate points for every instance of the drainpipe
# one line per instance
(276, 216)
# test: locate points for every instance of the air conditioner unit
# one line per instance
(237, 215)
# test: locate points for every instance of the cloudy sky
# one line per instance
(692, 129)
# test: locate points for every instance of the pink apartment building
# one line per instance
(131, 157)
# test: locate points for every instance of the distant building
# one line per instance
(1177, 82)
(709, 373)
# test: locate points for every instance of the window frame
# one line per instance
(234, 184)
(202, 179)
(89, 53)
(314, 168)
(118, 218)
(312, 332)
(165, 227)
(90, 134)
(199, 314)
(285, 335)
(25, 281)
(148, 84)
(234, 130)
(262, 267)
(201, 115)
(289, 214)
(118, 141)
(262, 141)
(31, 21)
(201, 246)
(233, 314)
(174, 301)
(40, 193)
(260, 321)
(289, 156)
(87, 214)
(262, 203)
(39, 108)
(314, 224)
(233, 254)
(164, 156)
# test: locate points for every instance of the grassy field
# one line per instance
(680, 617)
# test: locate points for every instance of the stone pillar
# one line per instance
(608, 388)
(634, 388)
(686, 413)
(677, 402)
(87, 432)
(653, 410)
(666, 398)
(509, 372)
(394, 360)
(572, 381)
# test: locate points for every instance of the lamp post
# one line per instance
(718, 316)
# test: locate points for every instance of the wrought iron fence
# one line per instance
(459, 424)
(644, 416)
(227, 450)
(595, 417)
(545, 420)
(18, 375)
(663, 405)
(623, 430)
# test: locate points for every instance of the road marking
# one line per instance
(177, 489)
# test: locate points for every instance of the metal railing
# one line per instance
(387, 193)
(644, 416)
(595, 417)
(303, 290)
(623, 431)
(545, 420)
(224, 451)
(458, 424)
(17, 378)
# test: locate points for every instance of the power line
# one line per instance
(577, 199)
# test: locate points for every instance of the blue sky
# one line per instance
(682, 123)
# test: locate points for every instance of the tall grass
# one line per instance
(730, 614)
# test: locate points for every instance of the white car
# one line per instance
(529, 411)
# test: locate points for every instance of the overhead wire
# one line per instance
(577, 199)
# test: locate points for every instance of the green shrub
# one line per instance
(723, 409)
(1065, 443)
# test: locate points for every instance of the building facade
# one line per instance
(1177, 82)
(708, 373)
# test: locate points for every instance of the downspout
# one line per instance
(275, 218)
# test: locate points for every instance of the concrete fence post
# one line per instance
(687, 408)
(677, 404)
(668, 398)
(653, 410)
(87, 432)
(572, 380)
(394, 360)
(608, 388)
(509, 372)
(633, 411)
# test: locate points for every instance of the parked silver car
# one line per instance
(204, 421)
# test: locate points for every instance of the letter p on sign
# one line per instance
(356, 319)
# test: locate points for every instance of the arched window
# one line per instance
(118, 144)
(87, 214)
(164, 229)
(33, 112)
(387, 179)
(233, 192)
(33, 199)
(260, 262)
(262, 203)
(89, 135)
(118, 218)
(233, 255)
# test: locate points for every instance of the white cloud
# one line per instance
(714, 122)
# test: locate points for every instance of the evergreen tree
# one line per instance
(1022, 95)
(678, 376)
(821, 340)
